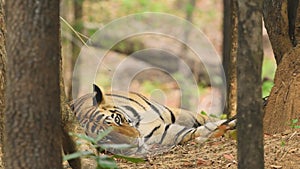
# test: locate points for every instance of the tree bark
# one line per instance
(292, 15)
(2, 79)
(282, 20)
(230, 32)
(249, 64)
(78, 26)
(69, 121)
(275, 16)
(32, 117)
(69, 124)
(284, 103)
(297, 25)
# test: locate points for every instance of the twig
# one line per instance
(79, 36)
(292, 135)
(76, 32)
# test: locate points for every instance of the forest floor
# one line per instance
(281, 151)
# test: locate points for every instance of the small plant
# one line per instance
(203, 113)
(283, 143)
(103, 161)
(294, 124)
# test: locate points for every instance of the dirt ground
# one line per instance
(281, 151)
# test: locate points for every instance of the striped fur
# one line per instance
(137, 120)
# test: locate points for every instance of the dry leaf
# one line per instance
(228, 157)
(201, 162)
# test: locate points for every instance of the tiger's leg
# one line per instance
(201, 133)
(210, 129)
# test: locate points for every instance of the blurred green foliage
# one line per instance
(268, 73)
(130, 6)
(294, 124)
(266, 88)
(268, 69)
(148, 86)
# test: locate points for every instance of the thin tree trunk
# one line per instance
(249, 64)
(2, 79)
(230, 33)
(32, 117)
(69, 124)
(78, 26)
(186, 102)
(292, 16)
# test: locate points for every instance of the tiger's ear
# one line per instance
(99, 97)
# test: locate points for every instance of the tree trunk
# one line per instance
(2, 78)
(276, 23)
(282, 23)
(69, 124)
(249, 64)
(66, 12)
(284, 103)
(75, 45)
(32, 117)
(185, 96)
(230, 33)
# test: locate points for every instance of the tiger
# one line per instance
(147, 125)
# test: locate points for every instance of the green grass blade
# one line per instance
(131, 159)
(76, 155)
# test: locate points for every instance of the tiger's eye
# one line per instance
(118, 119)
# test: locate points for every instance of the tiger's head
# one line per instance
(111, 116)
